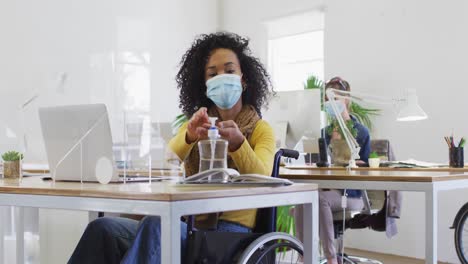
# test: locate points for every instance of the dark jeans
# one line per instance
(122, 240)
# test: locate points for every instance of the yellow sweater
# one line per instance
(254, 156)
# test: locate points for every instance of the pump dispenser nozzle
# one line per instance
(213, 132)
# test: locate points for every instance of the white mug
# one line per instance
(374, 162)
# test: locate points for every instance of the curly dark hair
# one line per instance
(191, 76)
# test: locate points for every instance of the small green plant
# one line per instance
(285, 223)
(313, 82)
(373, 155)
(178, 121)
(12, 156)
(284, 220)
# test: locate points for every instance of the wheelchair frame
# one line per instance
(460, 223)
(270, 241)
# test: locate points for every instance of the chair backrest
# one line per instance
(266, 217)
(383, 148)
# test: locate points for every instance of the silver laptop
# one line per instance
(78, 143)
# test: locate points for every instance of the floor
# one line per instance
(290, 257)
(385, 258)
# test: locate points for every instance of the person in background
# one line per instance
(218, 77)
(344, 106)
(330, 200)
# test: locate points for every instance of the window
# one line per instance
(295, 50)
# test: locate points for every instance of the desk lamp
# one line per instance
(409, 111)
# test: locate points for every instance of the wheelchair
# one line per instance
(460, 224)
(264, 245)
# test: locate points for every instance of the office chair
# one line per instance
(260, 246)
(373, 216)
(370, 217)
(383, 148)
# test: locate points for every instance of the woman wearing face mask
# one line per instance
(330, 200)
(362, 138)
(218, 77)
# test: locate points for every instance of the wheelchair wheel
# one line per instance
(461, 237)
(276, 247)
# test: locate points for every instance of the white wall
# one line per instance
(71, 52)
(67, 51)
(384, 47)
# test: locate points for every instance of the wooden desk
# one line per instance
(167, 199)
(428, 181)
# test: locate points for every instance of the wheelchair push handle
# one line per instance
(289, 153)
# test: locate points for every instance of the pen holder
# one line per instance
(456, 157)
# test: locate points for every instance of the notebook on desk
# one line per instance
(232, 177)
(411, 163)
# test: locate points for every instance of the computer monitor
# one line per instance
(294, 114)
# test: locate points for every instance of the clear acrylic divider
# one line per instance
(159, 151)
(174, 164)
(136, 145)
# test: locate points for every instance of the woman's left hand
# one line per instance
(230, 131)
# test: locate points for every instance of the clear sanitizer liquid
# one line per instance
(213, 151)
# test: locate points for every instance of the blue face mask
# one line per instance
(224, 90)
(328, 107)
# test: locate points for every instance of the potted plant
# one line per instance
(313, 82)
(374, 160)
(11, 164)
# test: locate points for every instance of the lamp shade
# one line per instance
(410, 110)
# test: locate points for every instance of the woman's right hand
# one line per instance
(198, 126)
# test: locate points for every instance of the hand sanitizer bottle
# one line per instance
(213, 151)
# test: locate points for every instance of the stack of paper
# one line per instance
(412, 163)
